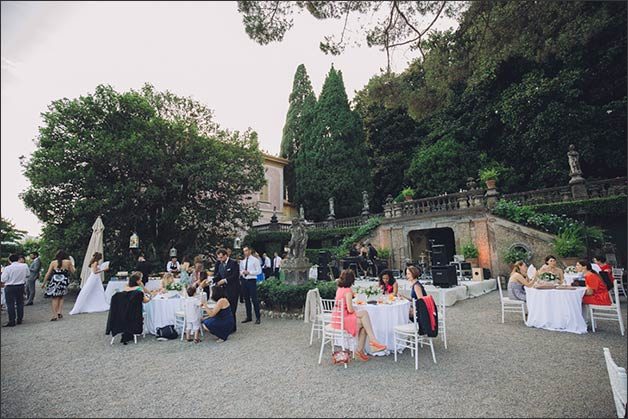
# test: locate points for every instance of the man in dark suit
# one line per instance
(227, 274)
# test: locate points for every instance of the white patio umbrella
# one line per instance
(95, 245)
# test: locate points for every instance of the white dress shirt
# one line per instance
(267, 262)
(169, 269)
(277, 261)
(15, 274)
(253, 266)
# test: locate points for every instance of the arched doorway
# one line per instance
(423, 242)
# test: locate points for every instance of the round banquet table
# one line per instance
(160, 312)
(114, 286)
(384, 318)
(556, 309)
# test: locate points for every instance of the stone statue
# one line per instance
(331, 206)
(298, 241)
(365, 201)
(574, 161)
(301, 213)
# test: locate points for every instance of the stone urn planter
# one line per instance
(490, 184)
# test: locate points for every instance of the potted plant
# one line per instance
(470, 253)
(569, 244)
(489, 175)
(408, 194)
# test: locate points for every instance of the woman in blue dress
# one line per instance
(220, 322)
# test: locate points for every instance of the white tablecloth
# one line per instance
(559, 310)
(115, 286)
(160, 312)
(384, 317)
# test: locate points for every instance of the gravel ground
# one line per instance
(68, 368)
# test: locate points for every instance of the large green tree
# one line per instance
(10, 238)
(515, 84)
(145, 161)
(333, 160)
(298, 122)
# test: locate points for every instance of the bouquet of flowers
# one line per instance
(570, 270)
(548, 277)
(369, 291)
(175, 286)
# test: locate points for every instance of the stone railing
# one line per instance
(443, 203)
(607, 187)
(541, 196)
(475, 198)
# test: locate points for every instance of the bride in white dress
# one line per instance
(91, 299)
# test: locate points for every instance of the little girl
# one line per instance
(192, 309)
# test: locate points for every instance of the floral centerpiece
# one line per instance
(369, 291)
(548, 278)
(175, 286)
(571, 270)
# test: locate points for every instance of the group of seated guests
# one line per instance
(219, 321)
(597, 287)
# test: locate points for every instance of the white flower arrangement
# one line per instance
(548, 276)
(570, 270)
(175, 286)
(369, 291)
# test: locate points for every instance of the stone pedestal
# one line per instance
(578, 187)
(296, 270)
(491, 197)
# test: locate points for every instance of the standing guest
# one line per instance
(143, 266)
(268, 267)
(13, 280)
(388, 284)
(198, 277)
(355, 323)
(249, 269)
(173, 267)
(227, 275)
(355, 250)
(221, 321)
(276, 264)
(550, 266)
(229, 251)
(56, 282)
(92, 298)
(186, 271)
(34, 269)
(604, 266)
(596, 292)
(192, 315)
(518, 281)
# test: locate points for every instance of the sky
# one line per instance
(53, 50)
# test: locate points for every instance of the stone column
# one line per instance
(576, 183)
(388, 208)
(491, 196)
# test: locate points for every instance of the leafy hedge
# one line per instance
(526, 215)
(362, 232)
(597, 207)
(277, 295)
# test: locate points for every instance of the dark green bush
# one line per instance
(597, 207)
(277, 295)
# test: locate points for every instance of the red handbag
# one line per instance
(341, 357)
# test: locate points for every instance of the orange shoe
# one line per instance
(376, 346)
(362, 356)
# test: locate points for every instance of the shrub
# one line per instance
(469, 250)
(407, 192)
(277, 295)
(569, 242)
(362, 231)
(515, 253)
(383, 253)
(489, 173)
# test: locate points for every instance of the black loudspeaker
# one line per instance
(487, 273)
(438, 255)
(444, 276)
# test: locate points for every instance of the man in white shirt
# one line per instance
(249, 269)
(268, 267)
(173, 266)
(276, 264)
(13, 280)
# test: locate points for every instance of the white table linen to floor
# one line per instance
(555, 309)
(115, 286)
(384, 318)
(160, 312)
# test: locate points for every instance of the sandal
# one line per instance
(54, 319)
(376, 346)
(189, 339)
(60, 315)
(362, 356)
(197, 340)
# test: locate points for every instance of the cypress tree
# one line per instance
(333, 160)
(298, 121)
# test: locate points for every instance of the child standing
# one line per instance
(192, 306)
